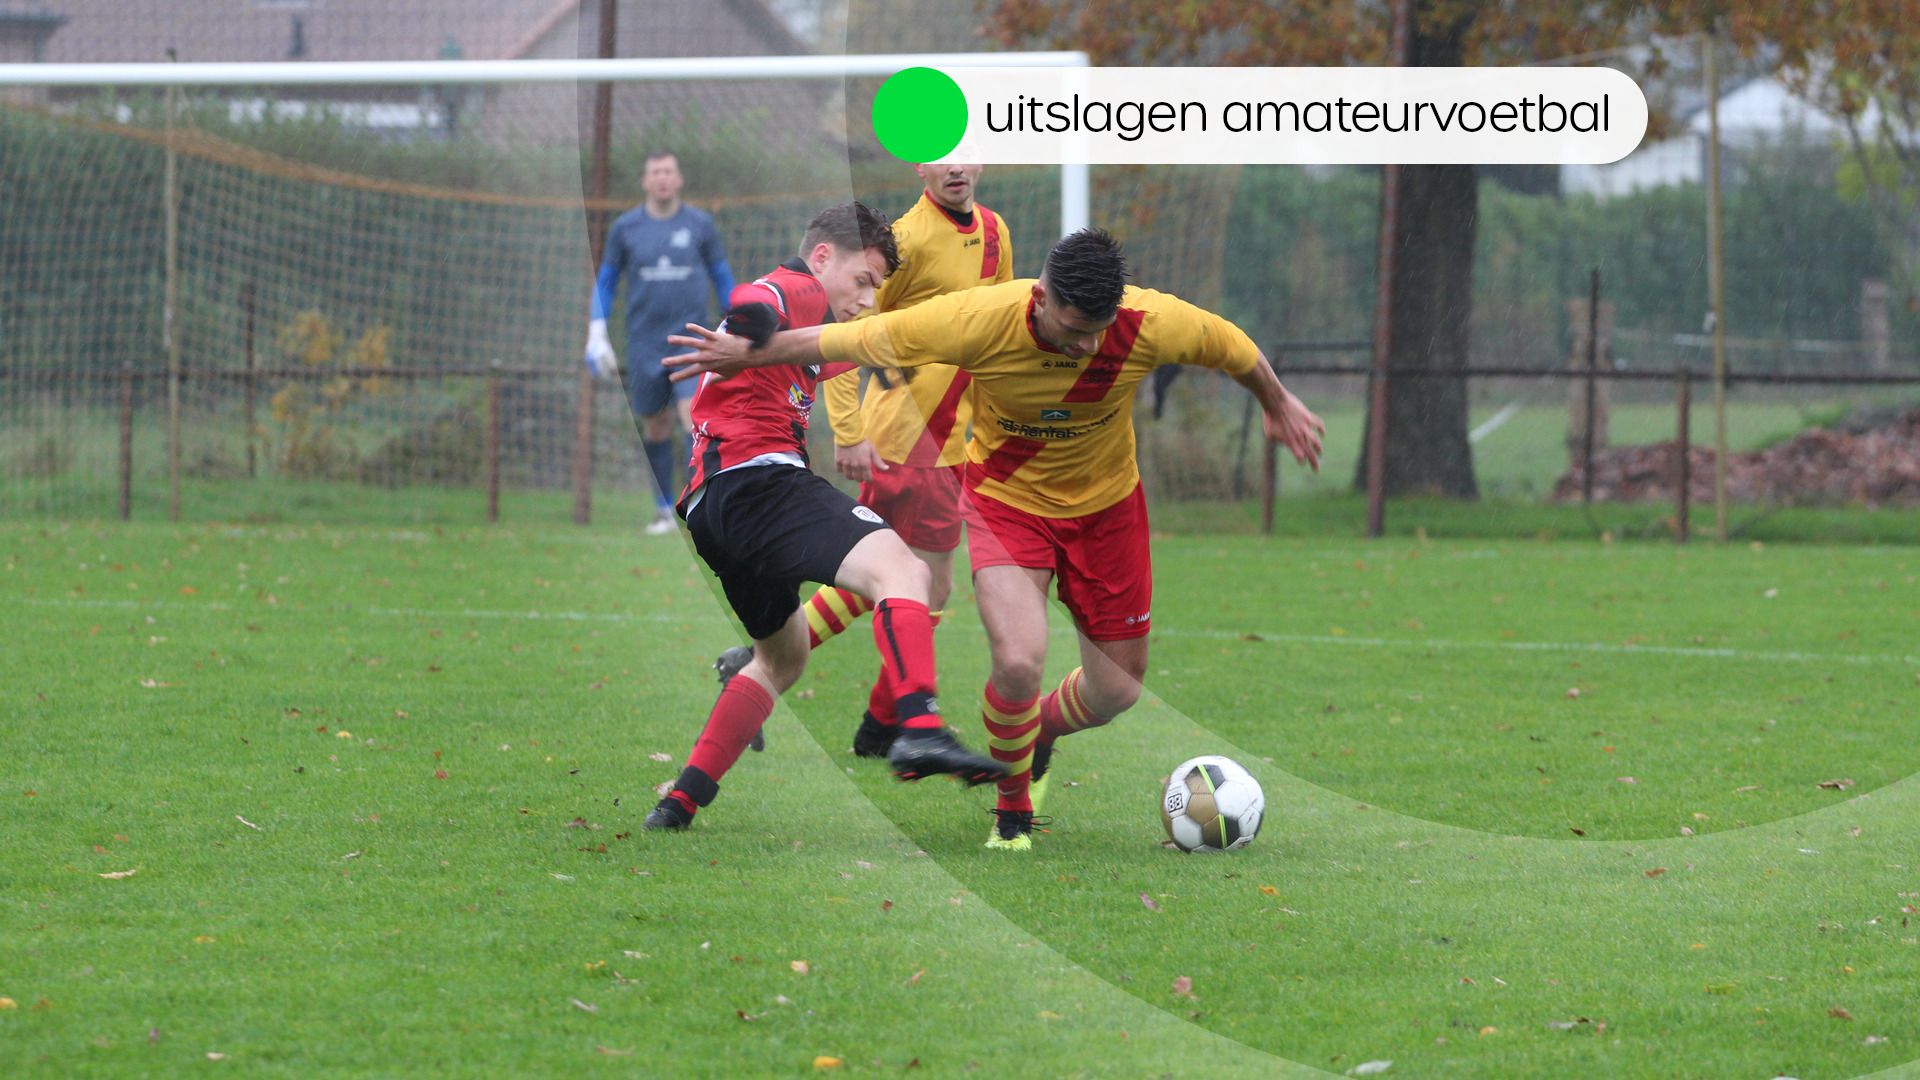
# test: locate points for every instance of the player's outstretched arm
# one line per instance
(1288, 421)
(725, 354)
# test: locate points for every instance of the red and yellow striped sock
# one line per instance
(1064, 710)
(830, 611)
(1012, 727)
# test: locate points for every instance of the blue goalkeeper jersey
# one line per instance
(670, 265)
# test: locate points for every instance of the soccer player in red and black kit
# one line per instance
(765, 522)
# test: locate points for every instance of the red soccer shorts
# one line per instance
(1101, 561)
(922, 504)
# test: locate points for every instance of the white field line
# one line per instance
(1494, 423)
(1345, 641)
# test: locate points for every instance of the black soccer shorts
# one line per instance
(767, 528)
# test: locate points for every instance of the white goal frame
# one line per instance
(1075, 182)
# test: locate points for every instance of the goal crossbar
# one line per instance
(1075, 183)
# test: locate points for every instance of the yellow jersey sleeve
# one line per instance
(1186, 334)
(842, 395)
(930, 332)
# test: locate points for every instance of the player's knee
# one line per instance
(904, 576)
(1017, 678)
(657, 427)
(939, 591)
(783, 671)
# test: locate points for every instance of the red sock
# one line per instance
(743, 706)
(903, 632)
(880, 703)
(1012, 727)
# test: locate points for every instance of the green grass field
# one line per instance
(365, 801)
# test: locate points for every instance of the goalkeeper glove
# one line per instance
(600, 358)
(755, 322)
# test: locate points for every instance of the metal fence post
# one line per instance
(1682, 451)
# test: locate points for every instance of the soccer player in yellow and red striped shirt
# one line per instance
(905, 442)
(1053, 491)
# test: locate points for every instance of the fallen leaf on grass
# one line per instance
(1183, 986)
(1626, 779)
(1049, 1014)
(1370, 1068)
(826, 1062)
(613, 1051)
(1839, 1013)
(215, 1055)
(914, 980)
(661, 757)
(1148, 901)
(116, 875)
(1268, 890)
(886, 906)
(247, 823)
(800, 967)
(1749, 787)
(1656, 871)
(8, 1003)
(1874, 1040)
(583, 1006)
(747, 1016)
(1836, 785)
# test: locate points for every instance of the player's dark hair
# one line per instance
(852, 226)
(1087, 270)
(656, 155)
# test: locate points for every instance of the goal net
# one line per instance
(219, 289)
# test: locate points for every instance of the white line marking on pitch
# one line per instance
(1494, 423)
(1435, 644)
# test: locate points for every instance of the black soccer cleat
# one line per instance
(668, 815)
(1042, 759)
(728, 664)
(922, 752)
(873, 739)
(1013, 830)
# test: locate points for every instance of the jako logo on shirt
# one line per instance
(865, 514)
(1056, 414)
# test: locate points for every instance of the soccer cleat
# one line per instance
(873, 739)
(661, 526)
(668, 815)
(728, 664)
(1038, 771)
(1012, 830)
(924, 752)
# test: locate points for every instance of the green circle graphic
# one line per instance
(919, 115)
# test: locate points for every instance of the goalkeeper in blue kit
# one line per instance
(671, 255)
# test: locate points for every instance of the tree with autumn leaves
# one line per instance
(1862, 50)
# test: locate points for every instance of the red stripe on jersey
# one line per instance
(990, 249)
(926, 450)
(1005, 460)
(1104, 366)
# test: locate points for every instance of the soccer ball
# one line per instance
(1212, 804)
